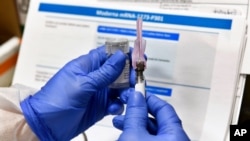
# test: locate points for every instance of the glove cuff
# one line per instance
(41, 131)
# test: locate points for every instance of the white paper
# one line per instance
(193, 66)
(231, 7)
(228, 7)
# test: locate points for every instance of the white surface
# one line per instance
(80, 137)
(201, 67)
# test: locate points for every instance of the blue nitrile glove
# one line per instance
(76, 97)
(137, 126)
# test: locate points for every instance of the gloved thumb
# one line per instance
(109, 71)
(136, 113)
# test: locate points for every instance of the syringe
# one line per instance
(138, 60)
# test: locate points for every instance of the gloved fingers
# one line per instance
(98, 54)
(124, 94)
(91, 61)
(120, 94)
(118, 122)
(115, 107)
(152, 126)
(115, 93)
(136, 115)
(131, 71)
(163, 112)
(108, 72)
(118, 97)
(132, 77)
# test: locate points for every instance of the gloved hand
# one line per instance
(76, 97)
(136, 125)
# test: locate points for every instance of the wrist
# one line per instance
(41, 131)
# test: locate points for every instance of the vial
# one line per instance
(112, 45)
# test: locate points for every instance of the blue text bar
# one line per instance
(159, 90)
(133, 15)
(132, 32)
